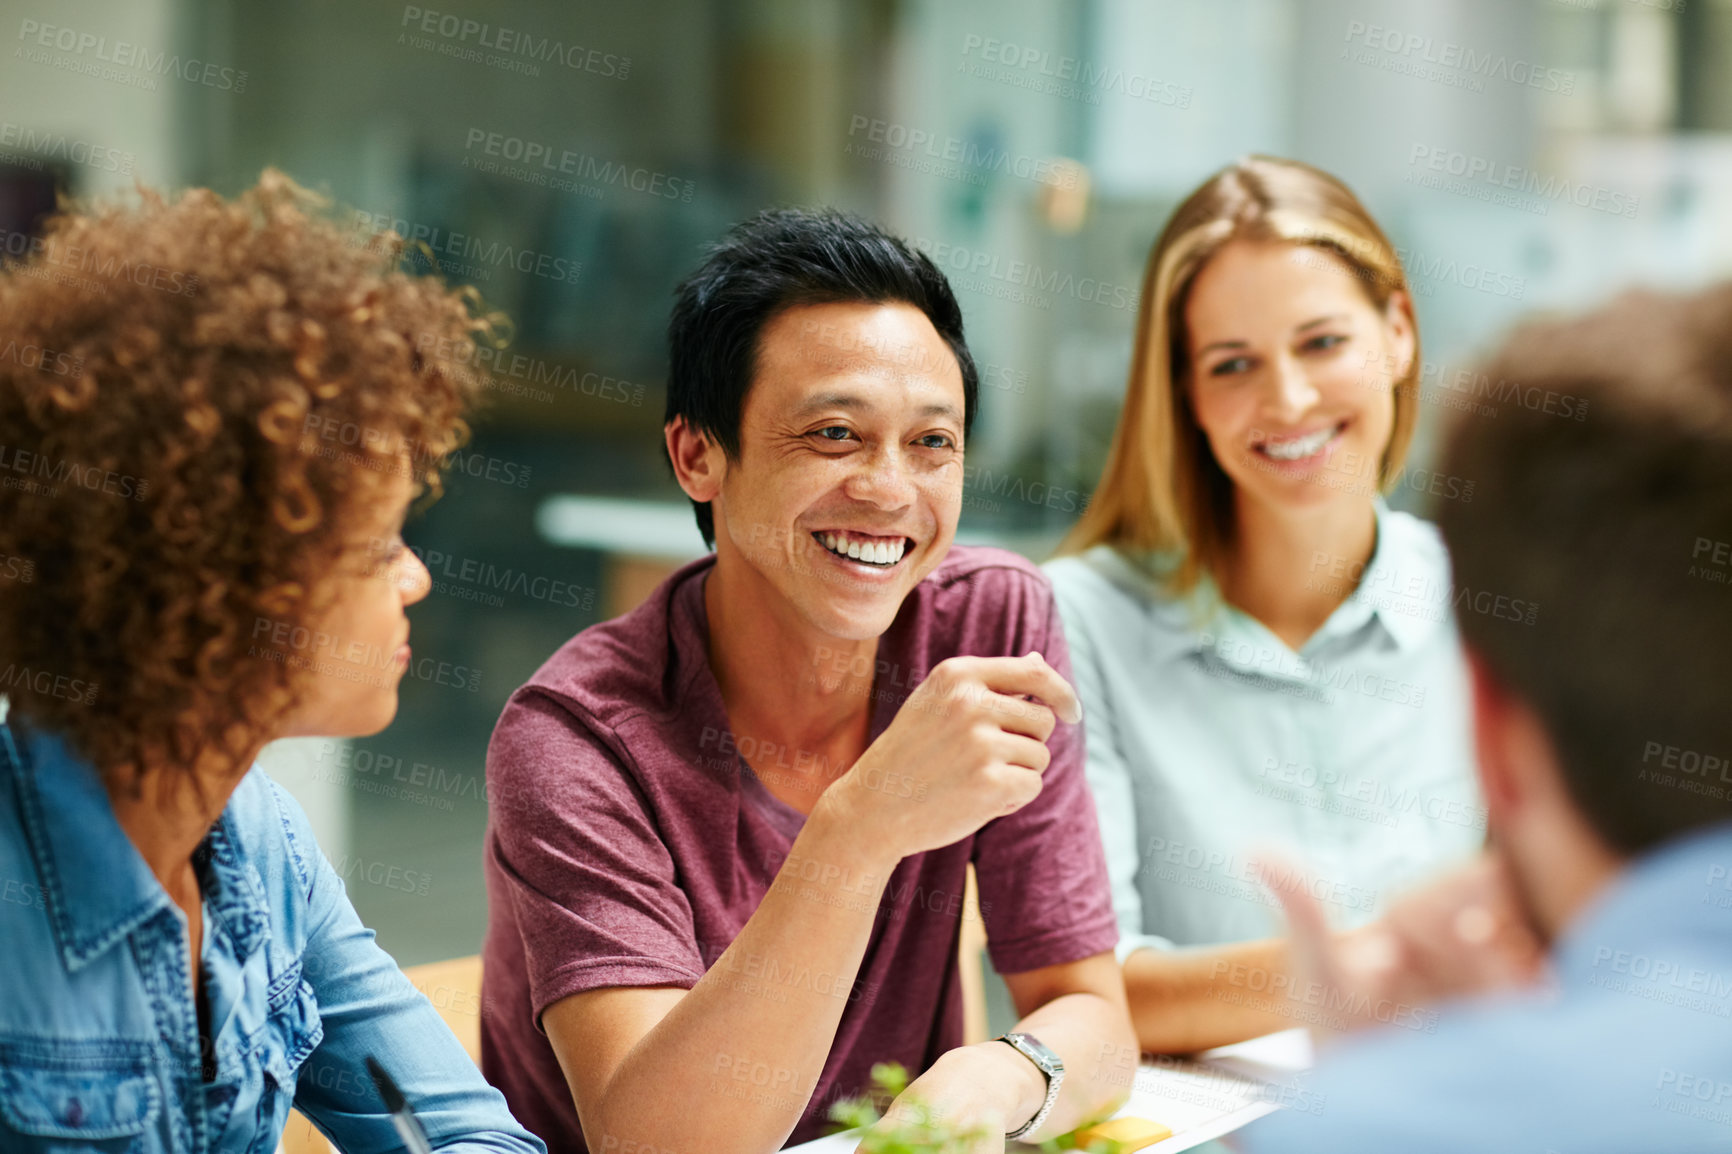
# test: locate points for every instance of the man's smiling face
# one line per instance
(848, 484)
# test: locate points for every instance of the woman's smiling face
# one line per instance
(1292, 371)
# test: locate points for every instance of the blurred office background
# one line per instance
(1523, 154)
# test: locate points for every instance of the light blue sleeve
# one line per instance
(1104, 763)
(369, 1008)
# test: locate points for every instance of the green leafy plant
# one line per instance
(918, 1129)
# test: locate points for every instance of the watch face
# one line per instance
(1049, 1064)
(1046, 1059)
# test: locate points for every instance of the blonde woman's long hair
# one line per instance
(1162, 490)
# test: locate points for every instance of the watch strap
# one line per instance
(1049, 1064)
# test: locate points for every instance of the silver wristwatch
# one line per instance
(1050, 1064)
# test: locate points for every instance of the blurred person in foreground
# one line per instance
(1604, 742)
(1266, 652)
(188, 571)
(726, 871)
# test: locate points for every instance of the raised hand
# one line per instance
(966, 747)
(1459, 935)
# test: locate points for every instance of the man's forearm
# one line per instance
(991, 1082)
(741, 1065)
(1187, 1000)
(1086, 1031)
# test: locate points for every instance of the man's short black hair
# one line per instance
(780, 259)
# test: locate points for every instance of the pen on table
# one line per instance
(408, 1129)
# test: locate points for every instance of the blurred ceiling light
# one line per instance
(1643, 84)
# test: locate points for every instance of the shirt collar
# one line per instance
(96, 886)
(233, 889)
(1405, 590)
(1670, 896)
(1406, 587)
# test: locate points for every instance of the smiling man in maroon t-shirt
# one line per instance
(730, 830)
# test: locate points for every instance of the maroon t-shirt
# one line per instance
(629, 841)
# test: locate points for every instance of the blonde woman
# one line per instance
(1265, 650)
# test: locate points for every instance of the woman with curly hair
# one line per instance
(213, 418)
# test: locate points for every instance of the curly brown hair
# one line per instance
(197, 396)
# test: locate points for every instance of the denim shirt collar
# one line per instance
(95, 884)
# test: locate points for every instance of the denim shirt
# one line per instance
(99, 1030)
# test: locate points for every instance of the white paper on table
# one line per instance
(1222, 1090)
(1198, 1100)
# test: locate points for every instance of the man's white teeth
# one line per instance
(871, 552)
(1301, 447)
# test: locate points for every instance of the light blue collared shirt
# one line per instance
(1632, 1053)
(1208, 739)
(99, 1033)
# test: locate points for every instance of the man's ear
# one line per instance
(1519, 770)
(699, 463)
(1493, 714)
